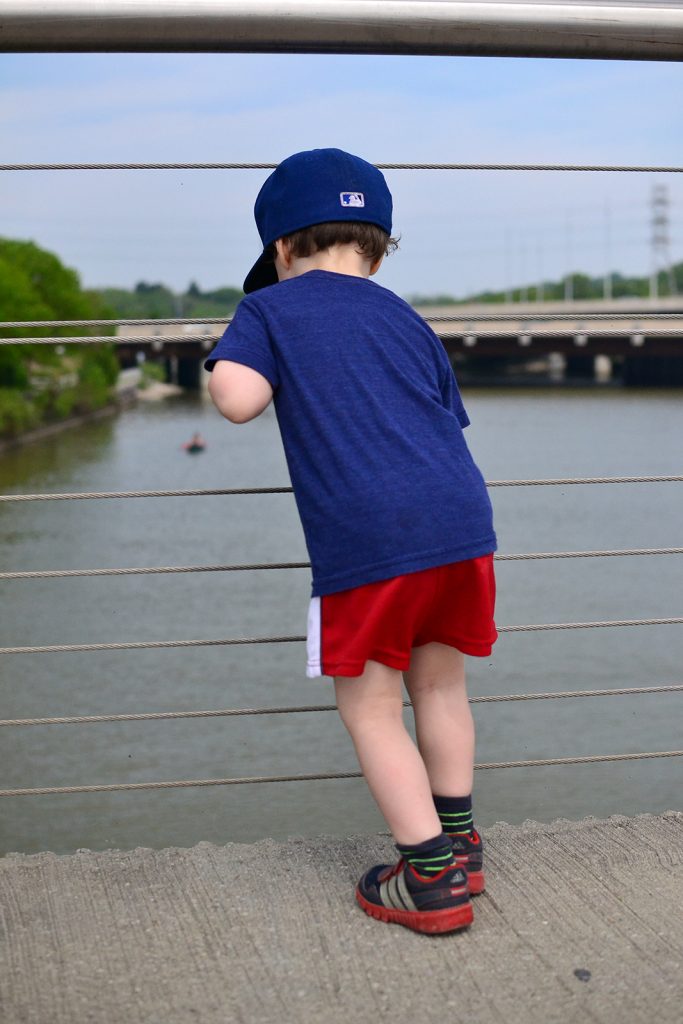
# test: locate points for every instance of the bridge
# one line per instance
(642, 338)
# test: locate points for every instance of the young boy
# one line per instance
(395, 513)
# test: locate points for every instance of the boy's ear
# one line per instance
(284, 252)
(376, 265)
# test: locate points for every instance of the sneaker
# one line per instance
(398, 894)
(469, 854)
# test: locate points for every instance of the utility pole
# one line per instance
(508, 273)
(607, 280)
(569, 277)
(661, 253)
(523, 294)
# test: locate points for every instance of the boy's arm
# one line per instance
(238, 392)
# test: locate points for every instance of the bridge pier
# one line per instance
(185, 371)
(171, 369)
(189, 372)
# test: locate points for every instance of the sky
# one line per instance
(461, 231)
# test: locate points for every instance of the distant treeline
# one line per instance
(157, 302)
(579, 286)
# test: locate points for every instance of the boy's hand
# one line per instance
(238, 392)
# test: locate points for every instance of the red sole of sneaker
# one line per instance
(429, 922)
(476, 881)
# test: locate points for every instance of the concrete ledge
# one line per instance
(581, 922)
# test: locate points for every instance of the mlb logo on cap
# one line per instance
(356, 199)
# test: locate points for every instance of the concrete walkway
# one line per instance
(582, 922)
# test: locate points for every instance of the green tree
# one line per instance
(37, 381)
(35, 285)
(13, 369)
(19, 298)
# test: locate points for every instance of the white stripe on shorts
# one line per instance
(313, 667)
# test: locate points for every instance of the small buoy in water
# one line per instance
(195, 444)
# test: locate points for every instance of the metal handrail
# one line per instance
(607, 29)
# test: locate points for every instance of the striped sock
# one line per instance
(430, 857)
(455, 814)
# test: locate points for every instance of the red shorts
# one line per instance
(450, 604)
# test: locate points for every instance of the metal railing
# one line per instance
(237, 712)
(606, 30)
(609, 29)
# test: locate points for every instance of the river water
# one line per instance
(514, 434)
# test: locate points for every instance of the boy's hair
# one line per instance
(371, 241)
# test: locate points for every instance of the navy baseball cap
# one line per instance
(314, 187)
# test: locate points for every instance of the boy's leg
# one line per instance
(427, 890)
(371, 708)
(443, 720)
(445, 736)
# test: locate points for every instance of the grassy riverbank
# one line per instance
(43, 386)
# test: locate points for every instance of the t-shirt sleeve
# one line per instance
(247, 341)
(451, 397)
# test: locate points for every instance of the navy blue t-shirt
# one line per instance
(372, 425)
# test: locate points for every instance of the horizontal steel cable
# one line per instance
(189, 783)
(157, 716)
(38, 574)
(607, 332)
(525, 556)
(534, 316)
(153, 570)
(563, 481)
(431, 318)
(133, 645)
(88, 495)
(101, 339)
(550, 482)
(131, 322)
(152, 645)
(173, 339)
(213, 166)
(589, 625)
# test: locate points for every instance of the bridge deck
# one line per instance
(581, 923)
(624, 327)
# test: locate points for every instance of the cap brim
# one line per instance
(262, 274)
